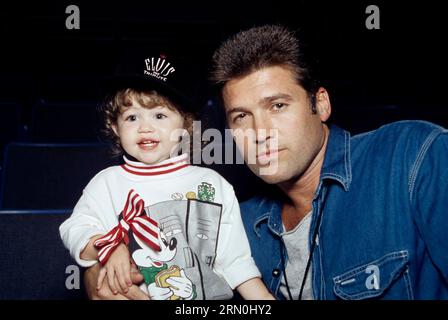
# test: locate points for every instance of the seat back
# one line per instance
(9, 122)
(65, 123)
(49, 176)
(34, 263)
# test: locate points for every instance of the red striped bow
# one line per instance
(134, 218)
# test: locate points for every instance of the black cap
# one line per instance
(159, 71)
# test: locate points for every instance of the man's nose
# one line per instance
(262, 127)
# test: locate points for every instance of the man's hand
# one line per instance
(117, 269)
(90, 283)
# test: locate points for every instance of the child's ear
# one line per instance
(115, 129)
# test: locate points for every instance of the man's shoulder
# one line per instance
(252, 201)
(255, 207)
(414, 131)
(398, 144)
(404, 128)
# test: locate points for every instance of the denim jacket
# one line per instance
(380, 213)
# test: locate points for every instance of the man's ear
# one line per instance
(323, 105)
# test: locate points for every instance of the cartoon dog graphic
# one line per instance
(163, 283)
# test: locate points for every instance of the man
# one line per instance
(361, 217)
(358, 217)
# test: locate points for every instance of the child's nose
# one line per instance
(146, 126)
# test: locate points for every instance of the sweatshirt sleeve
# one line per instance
(84, 223)
(234, 259)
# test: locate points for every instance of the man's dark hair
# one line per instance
(260, 47)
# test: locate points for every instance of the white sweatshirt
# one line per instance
(194, 205)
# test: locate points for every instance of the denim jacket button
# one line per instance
(275, 273)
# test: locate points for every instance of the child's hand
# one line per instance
(118, 270)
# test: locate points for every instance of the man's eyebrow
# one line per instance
(236, 109)
(275, 97)
(264, 100)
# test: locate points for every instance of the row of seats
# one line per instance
(40, 182)
(49, 176)
(40, 185)
(49, 122)
(34, 263)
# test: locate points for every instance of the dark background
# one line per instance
(373, 76)
(51, 78)
(400, 68)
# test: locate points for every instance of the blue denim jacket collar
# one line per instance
(337, 164)
(336, 167)
(266, 208)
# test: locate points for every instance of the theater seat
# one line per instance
(34, 263)
(65, 122)
(49, 176)
(9, 123)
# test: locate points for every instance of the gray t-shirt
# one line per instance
(296, 242)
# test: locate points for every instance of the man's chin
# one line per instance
(268, 174)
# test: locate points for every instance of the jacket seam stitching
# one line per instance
(348, 168)
(420, 157)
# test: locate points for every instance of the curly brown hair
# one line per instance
(116, 103)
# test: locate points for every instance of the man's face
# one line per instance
(287, 135)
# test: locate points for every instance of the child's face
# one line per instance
(149, 134)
